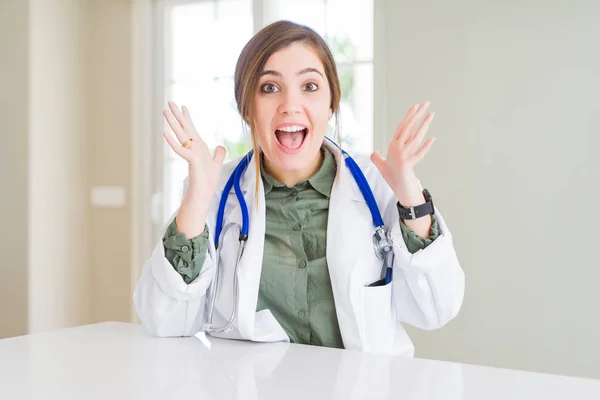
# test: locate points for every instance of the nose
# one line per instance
(290, 102)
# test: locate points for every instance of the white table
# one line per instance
(121, 361)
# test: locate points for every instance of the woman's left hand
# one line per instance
(405, 151)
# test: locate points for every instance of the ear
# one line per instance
(330, 113)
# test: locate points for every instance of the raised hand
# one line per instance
(405, 151)
(204, 168)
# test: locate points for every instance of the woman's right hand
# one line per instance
(204, 170)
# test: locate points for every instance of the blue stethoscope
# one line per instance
(381, 242)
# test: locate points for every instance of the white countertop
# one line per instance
(121, 361)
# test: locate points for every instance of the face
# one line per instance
(292, 109)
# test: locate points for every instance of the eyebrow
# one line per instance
(303, 71)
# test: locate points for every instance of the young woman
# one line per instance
(309, 272)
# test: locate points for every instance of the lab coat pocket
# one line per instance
(378, 320)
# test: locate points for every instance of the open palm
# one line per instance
(204, 168)
(405, 150)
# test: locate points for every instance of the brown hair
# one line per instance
(253, 58)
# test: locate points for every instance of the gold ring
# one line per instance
(186, 143)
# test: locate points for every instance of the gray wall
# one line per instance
(515, 88)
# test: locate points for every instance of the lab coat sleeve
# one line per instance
(165, 304)
(428, 286)
(415, 242)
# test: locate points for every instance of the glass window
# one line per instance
(347, 26)
(203, 40)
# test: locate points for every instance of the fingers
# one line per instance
(219, 155)
(177, 148)
(408, 127)
(405, 120)
(425, 149)
(414, 120)
(175, 126)
(377, 159)
(178, 115)
(416, 140)
(181, 122)
(188, 117)
(379, 162)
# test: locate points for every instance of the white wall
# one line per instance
(66, 77)
(515, 86)
(59, 269)
(110, 109)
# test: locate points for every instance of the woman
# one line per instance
(308, 273)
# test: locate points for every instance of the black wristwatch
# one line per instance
(417, 211)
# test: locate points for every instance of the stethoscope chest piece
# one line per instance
(382, 242)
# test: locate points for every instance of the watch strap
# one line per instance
(419, 211)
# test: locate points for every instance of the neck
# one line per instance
(292, 178)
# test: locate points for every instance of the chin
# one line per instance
(293, 164)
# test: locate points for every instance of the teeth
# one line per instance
(293, 128)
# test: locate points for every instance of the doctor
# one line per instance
(309, 272)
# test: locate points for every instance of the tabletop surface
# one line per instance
(121, 361)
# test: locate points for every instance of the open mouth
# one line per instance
(290, 140)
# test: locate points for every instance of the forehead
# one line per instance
(293, 58)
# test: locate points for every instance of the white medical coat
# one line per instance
(426, 291)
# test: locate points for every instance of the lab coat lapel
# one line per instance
(250, 267)
(341, 250)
